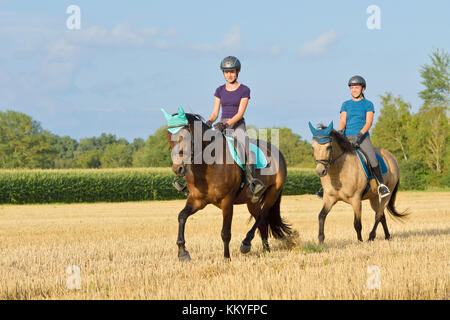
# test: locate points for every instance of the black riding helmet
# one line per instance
(230, 63)
(357, 80)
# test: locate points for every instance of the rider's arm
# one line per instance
(343, 120)
(238, 116)
(215, 113)
(369, 120)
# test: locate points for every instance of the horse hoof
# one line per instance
(184, 257)
(245, 248)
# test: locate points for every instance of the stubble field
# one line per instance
(128, 251)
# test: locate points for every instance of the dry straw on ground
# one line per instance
(128, 251)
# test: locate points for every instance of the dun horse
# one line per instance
(219, 184)
(343, 179)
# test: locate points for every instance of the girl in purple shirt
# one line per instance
(233, 97)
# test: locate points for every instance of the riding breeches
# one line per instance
(239, 132)
(367, 147)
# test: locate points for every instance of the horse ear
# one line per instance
(166, 114)
(313, 130)
(181, 112)
(330, 127)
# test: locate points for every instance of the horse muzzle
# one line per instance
(321, 170)
(179, 170)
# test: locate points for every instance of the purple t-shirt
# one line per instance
(230, 100)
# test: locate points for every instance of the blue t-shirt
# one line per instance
(356, 115)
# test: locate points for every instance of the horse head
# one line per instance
(179, 138)
(322, 148)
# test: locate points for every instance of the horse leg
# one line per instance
(375, 204)
(379, 217)
(387, 235)
(247, 242)
(356, 204)
(383, 204)
(263, 227)
(188, 210)
(264, 231)
(227, 212)
(322, 216)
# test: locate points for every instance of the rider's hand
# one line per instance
(221, 126)
(359, 138)
(209, 123)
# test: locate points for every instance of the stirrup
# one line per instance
(319, 193)
(386, 194)
(255, 188)
(180, 187)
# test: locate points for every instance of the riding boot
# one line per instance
(255, 186)
(383, 190)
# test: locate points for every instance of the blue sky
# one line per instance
(131, 58)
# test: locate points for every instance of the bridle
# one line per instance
(327, 162)
(192, 155)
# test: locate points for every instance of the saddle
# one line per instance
(368, 168)
(366, 164)
(261, 160)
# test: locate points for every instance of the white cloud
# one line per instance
(231, 41)
(120, 35)
(320, 45)
(275, 50)
(61, 49)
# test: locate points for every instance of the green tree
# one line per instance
(432, 136)
(391, 129)
(117, 155)
(88, 159)
(137, 144)
(23, 142)
(436, 79)
(65, 147)
(156, 152)
(295, 150)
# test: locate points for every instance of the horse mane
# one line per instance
(340, 139)
(191, 117)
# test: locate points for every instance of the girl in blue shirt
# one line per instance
(355, 122)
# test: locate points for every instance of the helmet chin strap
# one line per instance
(360, 94)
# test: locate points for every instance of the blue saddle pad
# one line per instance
(382, 163)
(261, 160)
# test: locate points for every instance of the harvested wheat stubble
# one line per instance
(128, 251)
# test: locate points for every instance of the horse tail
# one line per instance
(391, 205)
(277, 225)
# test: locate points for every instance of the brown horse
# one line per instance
(219, 184)
(343, 179)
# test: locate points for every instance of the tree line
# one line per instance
(25, 144)
(420, 140)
